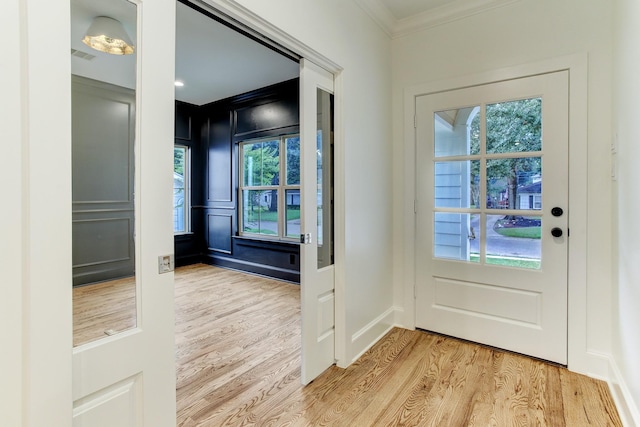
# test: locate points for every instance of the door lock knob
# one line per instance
(556, 232)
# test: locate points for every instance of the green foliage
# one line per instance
(508, 261)
(178, 160)
(524, 232)
(265, 215)
(260, 231)
(261, 163)
(512, 127)
(293, 160)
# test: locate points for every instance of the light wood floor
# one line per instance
(238, 364)
(102, 308)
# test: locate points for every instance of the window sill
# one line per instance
(260, 240)
(183, 236)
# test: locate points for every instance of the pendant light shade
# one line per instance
(108, 35)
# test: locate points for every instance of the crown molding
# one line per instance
(449, 12)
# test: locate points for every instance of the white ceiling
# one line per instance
(213, 61)
(216, 62)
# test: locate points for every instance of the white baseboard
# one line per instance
(627, 407)
(597, 365)
(603, 367)
(366, 337)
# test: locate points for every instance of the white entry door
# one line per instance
(316, 249)
(492, 203)
(128, 379)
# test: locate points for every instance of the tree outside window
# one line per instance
(180, 189)
(269, 204)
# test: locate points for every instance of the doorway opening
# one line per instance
(237, 196)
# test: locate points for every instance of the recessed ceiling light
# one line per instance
(178, 83)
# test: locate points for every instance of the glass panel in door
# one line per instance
(486, 159)
(324, 154)
(104, 107)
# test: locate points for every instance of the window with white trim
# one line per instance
(181, 193)
(269, 188)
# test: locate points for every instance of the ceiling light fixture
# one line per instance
(108, 35)
(178, 83)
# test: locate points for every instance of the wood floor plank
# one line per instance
(238, 364)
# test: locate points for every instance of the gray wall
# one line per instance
(103, 132)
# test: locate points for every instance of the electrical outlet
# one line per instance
(165, 264)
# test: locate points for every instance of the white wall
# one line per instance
(343, 33)
(626, 303)
(11, 220)
(523, 32)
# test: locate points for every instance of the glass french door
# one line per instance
(316, 250)
(492, 192)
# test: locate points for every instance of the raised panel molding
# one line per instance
(101, 241)
(265, 117)
(103, 138)
(219, 231)
(118, 405)
(103, 134)
(183, 121)
(220, 163)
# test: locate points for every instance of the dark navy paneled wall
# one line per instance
(213, 132)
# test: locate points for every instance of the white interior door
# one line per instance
(128, 379)
(316, 250)
(492, 202)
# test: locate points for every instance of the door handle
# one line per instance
(557, 211)
(305, 238)
(556, 232)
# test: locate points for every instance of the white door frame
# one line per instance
(37, 355)
(40, 349)
(579, 357)
(246, 17)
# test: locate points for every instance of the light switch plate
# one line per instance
(165, 264)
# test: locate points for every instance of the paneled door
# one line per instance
(316, 249)
(491, 221)
(128, 379)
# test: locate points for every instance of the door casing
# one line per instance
(579, 358)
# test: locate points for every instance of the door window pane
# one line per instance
(324, 155)
(457, 132)
(514, 183)
(457, 184)
(514, 241)
(456, 236)
(514, 126)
